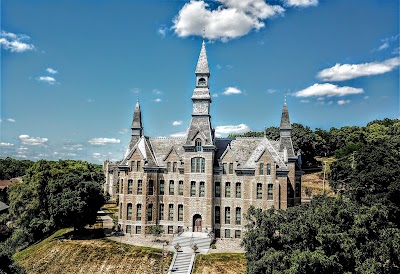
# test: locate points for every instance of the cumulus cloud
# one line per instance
(231, 19)
(344, 72)
(327, 89)
(32, 141)
(2, 144)
(157, 100)
(225, 130)
(15, 42)
(177, 123)
(51, 71)
(300, 3)
(178, 134)
(11, 120)
(232, 90)
(343, 102)
(46, 79)
(103, 141)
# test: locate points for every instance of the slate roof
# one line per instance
(137, 117)
(202, 63)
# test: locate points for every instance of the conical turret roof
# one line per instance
(202, 63)
(137, 116)
(285, 121)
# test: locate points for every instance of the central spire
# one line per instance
(202, 63)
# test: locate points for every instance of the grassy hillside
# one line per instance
(63, 252)
(217, 263)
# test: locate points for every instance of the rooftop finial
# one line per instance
(285, 100)
(204, 33)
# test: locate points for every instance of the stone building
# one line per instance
(201, 182)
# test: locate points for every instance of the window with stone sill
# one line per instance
(198, 165)
(227, 233)
(162, 187)
(150, 187)
(227, 189)
(129, 212)
(217, 189)
(161, 212)
(261, 169)
(174, 165)
(238, 219)
(180, 186)
(171, 188)
(128, 229)
(197, 145)
(230, 168)
(201, 189)
(130, 186)
(150, 212)
(268, 169)
(168, 166)
(270, 192)
(170, 212)
(138, 229)
(238, 190)
(180, 213)
(132, 165)
(140, 187)
(217, 215)
(170, 229)
(238, 234)
(138, 166)
(227, 215)
(224, 168)
(259, 191)
(138, 212)
(192, 189)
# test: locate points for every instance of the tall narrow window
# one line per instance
(192, 189)
(139, 187)
(180, 213)
(259, 191)
(197, 145)
(128, 229)
(193, 165)
(270, 192)
(217, 189)
(238, 190)
(150, 187)
(132, 165)
(130, 186)
(289, 190)
(162, 186)
(161, 212)
(268, 169)
(230, 168)
(169, 166)
(138, 229)
(227, 233)
(122, 186)
(238, 219)
(217, 215)
(138, 166)
(261, 171)
(227, 189)
(138, 212)
(174, 165)
(180, 188)
(120, 210)
(197, 164)
(224, 168)
(150, 212)
(171, 187)
(201, 189)
(227, 215)
(297, 189)
(129, 212)
(203, 165)
(170, 212)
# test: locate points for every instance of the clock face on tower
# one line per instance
(200, 108)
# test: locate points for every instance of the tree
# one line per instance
(156, 231)
(7, 263)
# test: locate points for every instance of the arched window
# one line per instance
(202, 82)
(197, 144)
(198, 165)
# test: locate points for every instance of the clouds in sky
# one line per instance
(344, 72)
(178, 134)
(32, 141)
(46, 79)
(343, 102)
(15, 42)
(327, 89)
(51, 71)
(232, 19)
(103, 141)
(2, 144)
(301, 3)
(234, 129)
(231, 91)
(157, 100)
(177, 123)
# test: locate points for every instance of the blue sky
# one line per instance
(71, 71)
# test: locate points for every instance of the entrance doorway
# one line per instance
(197, 223)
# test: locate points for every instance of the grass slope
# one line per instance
(217, 263)
(60, 254)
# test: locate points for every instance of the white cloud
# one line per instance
(366, 97)
(342, 102)
(46, 79)
(157, 100)
(13, 42)
(383, 46)
(215, 95)
(177, 123)
(2, 144)
(136, 90)
(51, 71)
(232, 90)
(304, 101)
(123, 131)
(327, 89)
(232, 19)
(103, 141)
(162, 31)
(350, 71)
(11, 120)
(270, 91)
(32, 141)
(225, 130)
(76, 147)
(301, 3)
(157, 91)
(178, 134)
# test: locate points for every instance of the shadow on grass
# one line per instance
(82, 234)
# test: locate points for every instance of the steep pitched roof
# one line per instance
(137, 117)
(285, 121)
(202, 63)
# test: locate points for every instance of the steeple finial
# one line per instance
(202, 63)
(204, 33)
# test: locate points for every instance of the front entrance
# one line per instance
(197, 223)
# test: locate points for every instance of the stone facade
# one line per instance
(200, 182)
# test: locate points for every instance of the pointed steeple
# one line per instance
(202, 63)
(137, 128)
(285, 121)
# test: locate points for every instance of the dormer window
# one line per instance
(197, 144)
(201, 82)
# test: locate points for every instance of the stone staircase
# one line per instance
(183, 260)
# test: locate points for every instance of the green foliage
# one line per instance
(55, 195)
(247, 134)
(11, 168)
(7, 263)
(156, 230)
